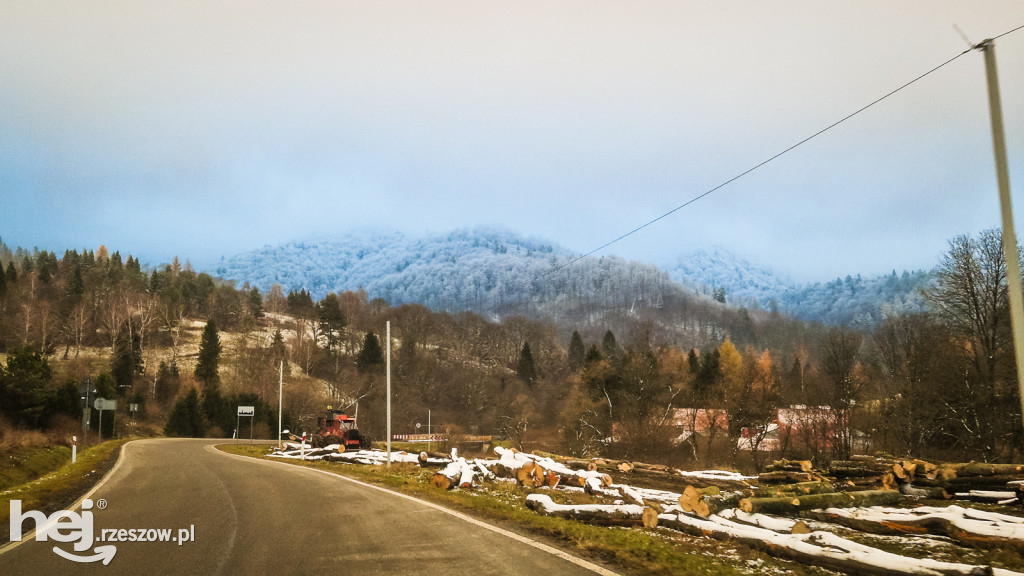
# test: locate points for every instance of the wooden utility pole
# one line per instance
(1013, 280)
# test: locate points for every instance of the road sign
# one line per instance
(104, 404)
(417, 425)
(246, 410)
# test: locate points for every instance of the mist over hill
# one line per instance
(501, 273)
(850, 301)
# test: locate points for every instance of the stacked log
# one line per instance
(707, 501)
(599, 514)
(796, 490)
(789, 472)
(818, 548)
(791, 505)
(974, 528)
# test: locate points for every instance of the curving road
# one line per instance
(252, 516)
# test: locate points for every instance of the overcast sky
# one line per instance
(202, 129)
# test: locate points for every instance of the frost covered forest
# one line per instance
(499, 272)
(596, 358)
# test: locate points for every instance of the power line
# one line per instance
(774, 157)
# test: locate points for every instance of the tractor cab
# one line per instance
(335, 427)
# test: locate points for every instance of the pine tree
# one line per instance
(186, 419)
(609, 346)
(126, 361)
(279, 352)
(371, 355)
(577, 353)
(24, 387)
(525, 369)
(256, 303)
(209, 356)
(331, 319)
(167, 382)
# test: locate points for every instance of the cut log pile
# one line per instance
(785, 511)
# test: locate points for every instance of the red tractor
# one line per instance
(337, 428)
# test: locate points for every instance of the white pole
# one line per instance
(389, 392)
(280, 396)
(1013, 280)
(428, 430)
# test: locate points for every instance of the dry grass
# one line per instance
(12, 437)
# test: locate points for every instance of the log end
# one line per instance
(800, 527)
(650, 518)
(440, 481)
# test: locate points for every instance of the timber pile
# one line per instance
(968, 527)
(789, 472)
(724, 505)
(793, 540)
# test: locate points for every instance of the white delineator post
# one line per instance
(1013, 280)
(389, 392)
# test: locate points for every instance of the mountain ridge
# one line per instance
(493, 270)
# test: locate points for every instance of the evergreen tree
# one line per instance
(609, 347)
(593, 355)
(279, 352)
(525, 368)
(256, 303)
(331, 319)
(105, 386)
(168, 382)
(66, 401)
(3, 283)
(12, 273)
(209, 356)
(126, 362)
(186, 419)
(371, 355)
(24, 387)
(577, 353)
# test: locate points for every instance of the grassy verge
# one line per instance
(23, 464)
(61, 487)
(635, 551)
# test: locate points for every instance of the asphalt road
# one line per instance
(251, 516)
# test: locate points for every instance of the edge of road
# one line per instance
(8, 546)
(496, 529)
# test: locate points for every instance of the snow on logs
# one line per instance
(599, 514)
(754, 516)
(967, 526)
(783, 539)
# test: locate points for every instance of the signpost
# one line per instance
(249, 412)
(101, 404)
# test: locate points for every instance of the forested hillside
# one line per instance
(497, 274)
(849, 301)
(606, 375)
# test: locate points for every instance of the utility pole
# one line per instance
(280, 404)
(1013, 280)
(389, 392)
